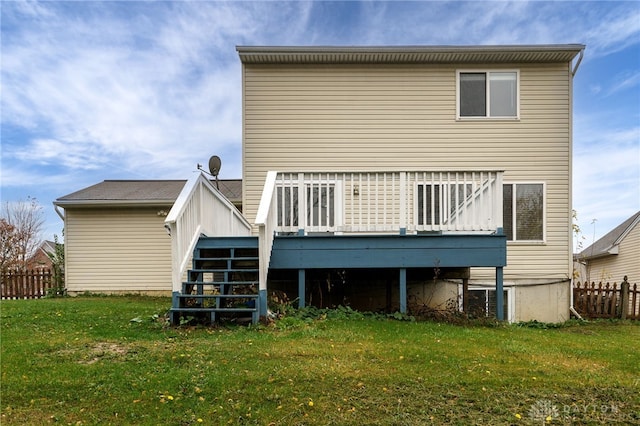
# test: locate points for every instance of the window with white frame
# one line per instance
(482, 302)
(524, 211)
(488, 94)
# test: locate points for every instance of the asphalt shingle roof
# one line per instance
(604, 244)
(160, 192)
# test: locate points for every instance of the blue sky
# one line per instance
(146, 90)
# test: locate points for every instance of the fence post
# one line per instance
(624, 296)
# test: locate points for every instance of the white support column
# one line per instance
(302, 202)
(403, 202)
(497, 205)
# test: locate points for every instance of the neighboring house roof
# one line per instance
(409, 54)
(608, 245)
(48, 247)
(137, 192)
(40, 257)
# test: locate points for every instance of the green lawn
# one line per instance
(83, 361)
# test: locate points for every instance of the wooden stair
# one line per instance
(222, 284)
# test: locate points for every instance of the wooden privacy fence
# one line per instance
(26, 284)
(607, 300)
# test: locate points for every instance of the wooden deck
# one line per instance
(388, 251)
(401, 252)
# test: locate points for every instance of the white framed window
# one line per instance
(523, 210)
(482, 302)
(488, 94)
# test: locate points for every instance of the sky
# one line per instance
(94, 90)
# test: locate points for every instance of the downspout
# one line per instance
(571, 308)
(60, 214)
(575, 67)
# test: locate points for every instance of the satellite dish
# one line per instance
(214, 165)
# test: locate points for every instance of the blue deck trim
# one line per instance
(388, 251)
(403, 291)
(499, 294)
(262, 304)
(227, 242)
(302, 291)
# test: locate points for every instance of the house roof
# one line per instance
(409, 54)
(140, 192)
(607, 245)
(48, 246)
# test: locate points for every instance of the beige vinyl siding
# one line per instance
(626, 262)
(403, 117)
(117, 250)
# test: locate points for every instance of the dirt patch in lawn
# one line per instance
(105, 350)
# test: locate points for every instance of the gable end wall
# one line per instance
(626, 262)
(117, 250)
(400, 117)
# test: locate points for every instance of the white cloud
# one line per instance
(48, 152)
(615, 30)
(113, 103)
(606, 175)
(625, 82)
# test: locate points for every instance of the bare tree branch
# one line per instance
(27, 220)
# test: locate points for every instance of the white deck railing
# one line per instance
(200, 209)
(266, 221)
(377, 202)
(382, 202)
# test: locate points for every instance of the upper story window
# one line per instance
(488, 94)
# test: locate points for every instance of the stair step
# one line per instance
(220, 262)
(215, 270)
(218, 283)
(221, 270)
(213, 296)
(227, 243)
(210, 286)
(195, 310)
(242, 258)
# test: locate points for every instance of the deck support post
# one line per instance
(175, 303)
(301, 288)
(499, 294)
(263, 306)
(403, 290)
(465, 296)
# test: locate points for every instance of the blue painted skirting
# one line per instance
(388, 251)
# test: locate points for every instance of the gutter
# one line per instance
(113, 203)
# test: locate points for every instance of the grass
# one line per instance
(83, 361)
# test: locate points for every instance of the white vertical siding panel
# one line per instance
(626, 262)
(400, 117)
(117, 250)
